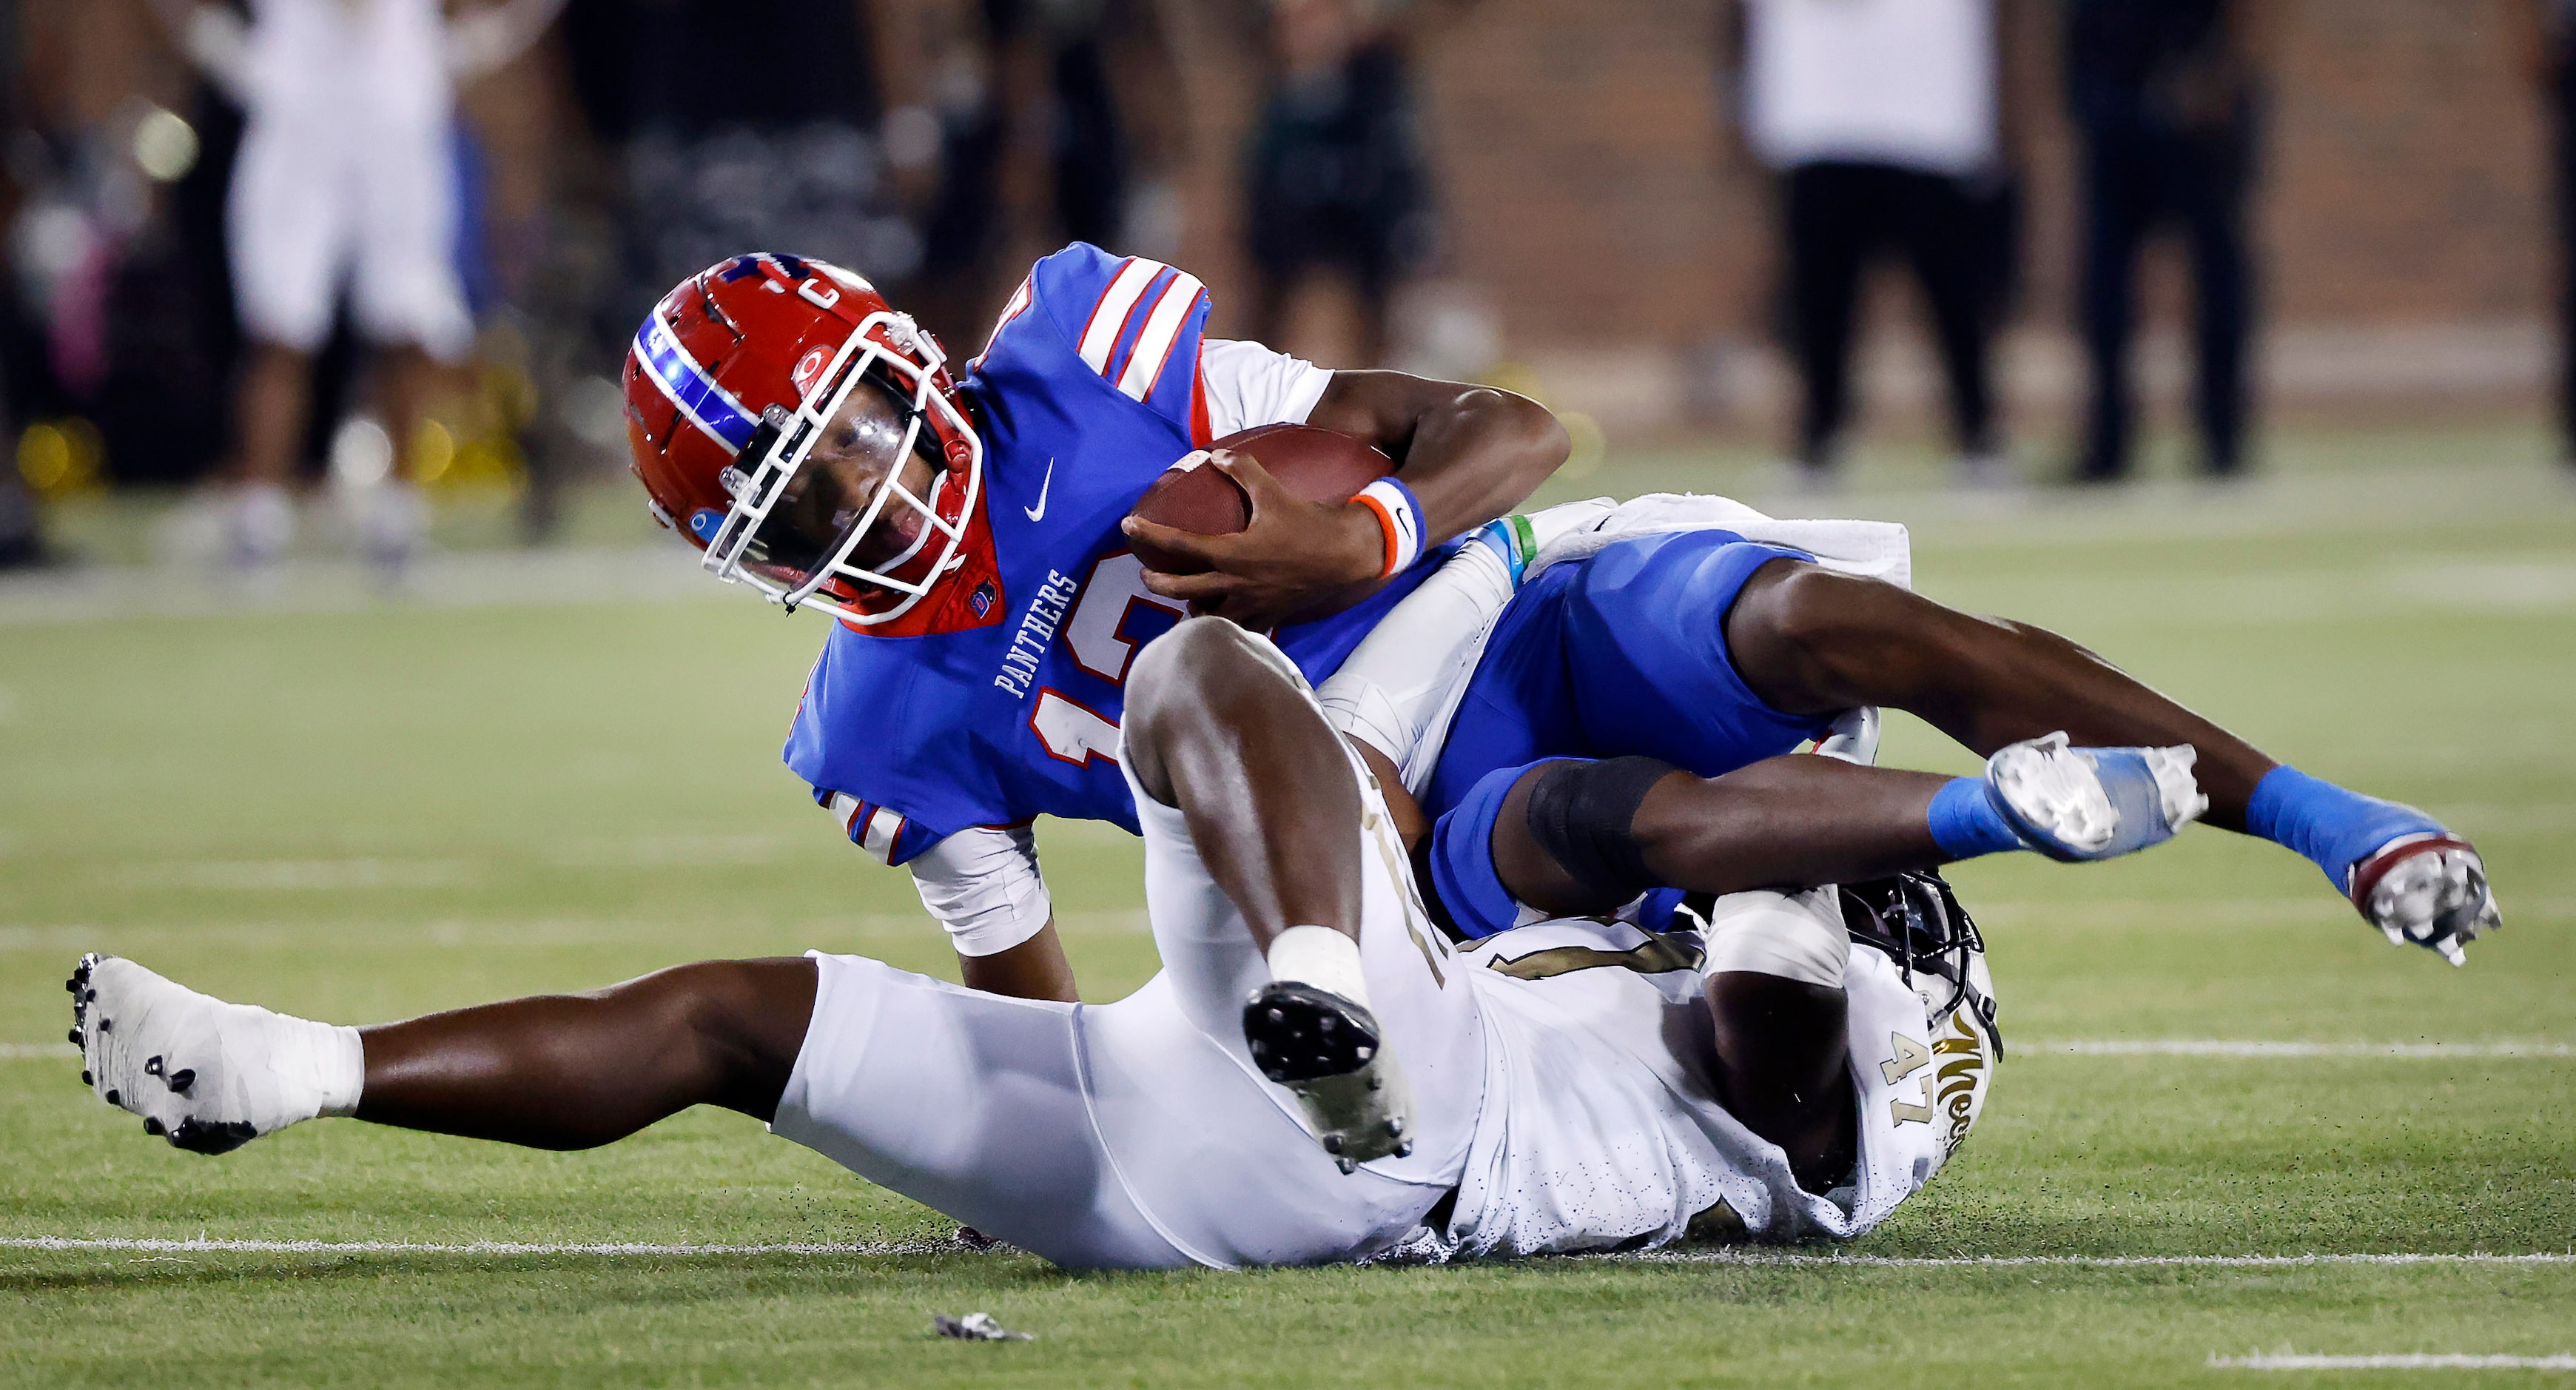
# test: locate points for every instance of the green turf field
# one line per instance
(402, 806)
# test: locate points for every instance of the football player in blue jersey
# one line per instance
(965, 535)
(969, 539)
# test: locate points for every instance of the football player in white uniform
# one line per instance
(1318, 1074)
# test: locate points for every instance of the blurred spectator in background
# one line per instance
(115, 332)
(1882, 119)
(1337, 180)
(2549, 50)
(2166, 97)
(740, 125)
(347, 178)
(1049, 120)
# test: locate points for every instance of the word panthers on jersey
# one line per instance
(1004, 703)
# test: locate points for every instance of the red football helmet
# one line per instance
(733, 381)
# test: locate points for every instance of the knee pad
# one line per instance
(1794, 936)
(1584, 815)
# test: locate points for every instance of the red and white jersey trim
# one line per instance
(1109, 317)
(872, 828)
(1162, 329)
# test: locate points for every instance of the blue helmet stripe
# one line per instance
(709, 406)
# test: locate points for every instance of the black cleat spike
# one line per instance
(198, 1137)
(1332, 1143)
(75, 1036)
(182, 1079)
(1405, 1149)
(114, 1099)
(105, 1023)
(152, 1065)
(87, 1079)
(1308, 1033)
(153, 1127)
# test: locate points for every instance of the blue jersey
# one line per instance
(1009, 708)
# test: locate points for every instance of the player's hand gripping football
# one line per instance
(1293, 560)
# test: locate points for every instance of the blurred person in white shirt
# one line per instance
(1882, 120)
(346, 180)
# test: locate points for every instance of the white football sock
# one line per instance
(1322, 957)
(325, 1062)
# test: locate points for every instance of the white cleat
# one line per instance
(206, 1075)
(2429, 889)
(2082, 804)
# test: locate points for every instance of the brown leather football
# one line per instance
(1317, 464)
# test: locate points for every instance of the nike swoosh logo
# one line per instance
(1038, 512)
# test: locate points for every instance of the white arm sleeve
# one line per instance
(1248, 385)
(983, 886)
(1401, 686)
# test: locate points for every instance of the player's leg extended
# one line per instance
(1218, 727)
(1807, 640)
(1578, 837)
(551, 1072)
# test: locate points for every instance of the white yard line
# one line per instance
(2426, 1361)
(20, 1052)
(202, 1245)
(2228, 1047)
(1731, 1256)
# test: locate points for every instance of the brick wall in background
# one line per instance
(2402, 216)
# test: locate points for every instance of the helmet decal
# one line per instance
(806, 367)
(704, 521)
(708, 406)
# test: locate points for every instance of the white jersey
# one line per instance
(1603, 1128)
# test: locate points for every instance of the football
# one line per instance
(1317, 464)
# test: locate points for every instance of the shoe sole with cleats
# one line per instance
(1331, 1054)
(129, 1067)
(2430, 890)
